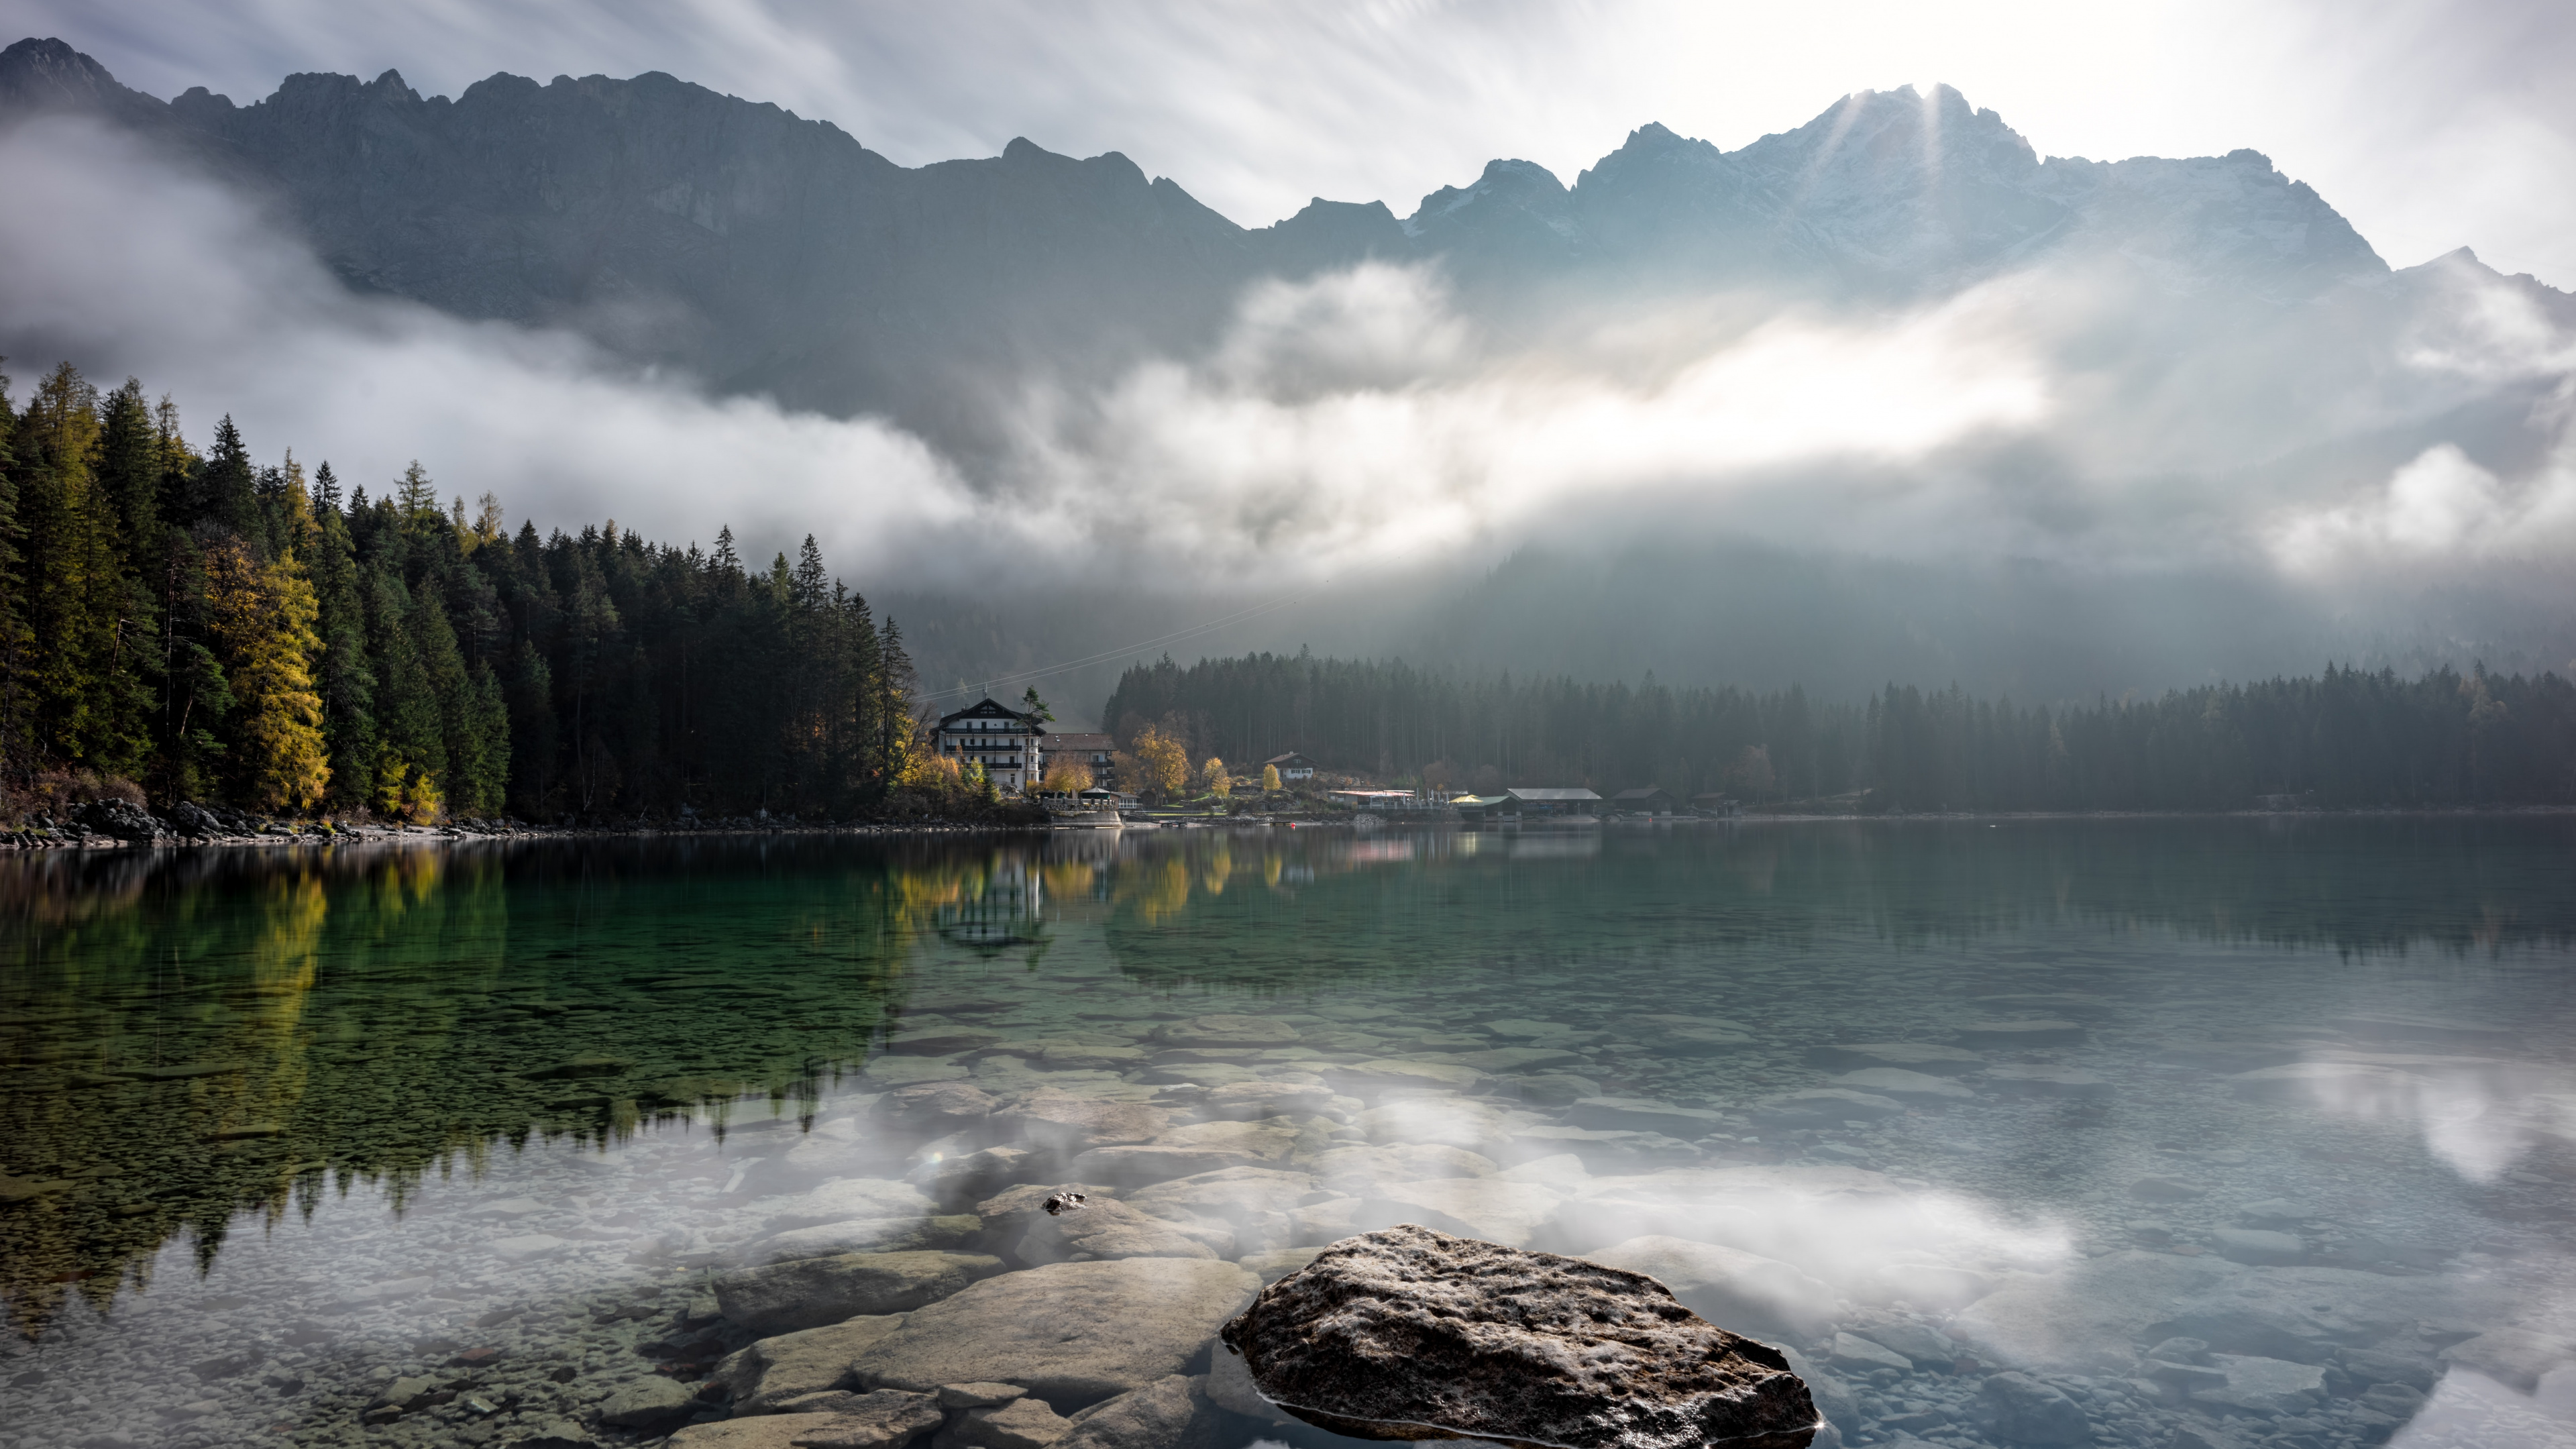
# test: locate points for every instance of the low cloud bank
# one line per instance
(1362, 421)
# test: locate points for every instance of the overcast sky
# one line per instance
(2430, 125)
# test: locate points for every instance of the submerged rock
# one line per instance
(1169, 1413)
(1068, 1332)
(812, 1292)
(2019, 1409)
(766, 1376)
(1411, 1334)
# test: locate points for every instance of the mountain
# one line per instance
(767, 253)
(2213, 351)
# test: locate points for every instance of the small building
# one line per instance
(1551, 801)
(1377, 799)
(1291, 766)
(1001, 739)
(1093, 751)
(1717, 803)
(1647, 801)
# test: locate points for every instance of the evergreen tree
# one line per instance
(346, 680)
(16, 638)
(263, 616)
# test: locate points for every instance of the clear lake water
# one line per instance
(2225, 1132)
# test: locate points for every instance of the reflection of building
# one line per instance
(1292, 766)
(1091, 751)
(1004, 741)
(1648, 801)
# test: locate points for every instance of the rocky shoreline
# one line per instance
(119, 825)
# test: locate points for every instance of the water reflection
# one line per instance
(2055, 1095)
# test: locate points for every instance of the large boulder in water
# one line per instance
(1410, 1334)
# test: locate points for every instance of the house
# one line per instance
(1004, 741)
(1550, 801)
(1647, 801)
(1093, 752)
(1291, 766)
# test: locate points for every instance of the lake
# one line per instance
(2203, 1132)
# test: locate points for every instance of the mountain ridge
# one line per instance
(771, 253)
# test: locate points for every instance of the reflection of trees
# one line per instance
(193, 1041)
(1339, 907)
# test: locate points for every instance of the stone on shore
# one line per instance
(1067, 1332)
(764, 1376)
(1410, 1334)
(812, 1292)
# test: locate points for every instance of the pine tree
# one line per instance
(411, 744)
(226, 494)
(16, 639)
(346, 680)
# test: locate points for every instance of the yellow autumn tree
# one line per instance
(1070, 777)
(1270, 778)
(1162, 763)
(262, 620)
(1213, 777)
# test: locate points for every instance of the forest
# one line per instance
(185, 625)
(2344, 739)
(197, 626)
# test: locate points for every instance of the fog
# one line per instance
(2391, 464)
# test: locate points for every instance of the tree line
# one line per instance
(2346, 738)
(190, 625)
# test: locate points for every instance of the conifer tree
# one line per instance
(15, 637)
(226, 493)
(263, 616)
(346, 680)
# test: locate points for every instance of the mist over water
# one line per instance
(2053, 1093)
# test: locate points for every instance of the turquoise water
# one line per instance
(2302, 1093)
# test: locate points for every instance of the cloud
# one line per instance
(195, 293)
(2430, 124)
(1364, 421)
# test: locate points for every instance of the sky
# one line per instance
(2395, 444)
(2429, 125)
